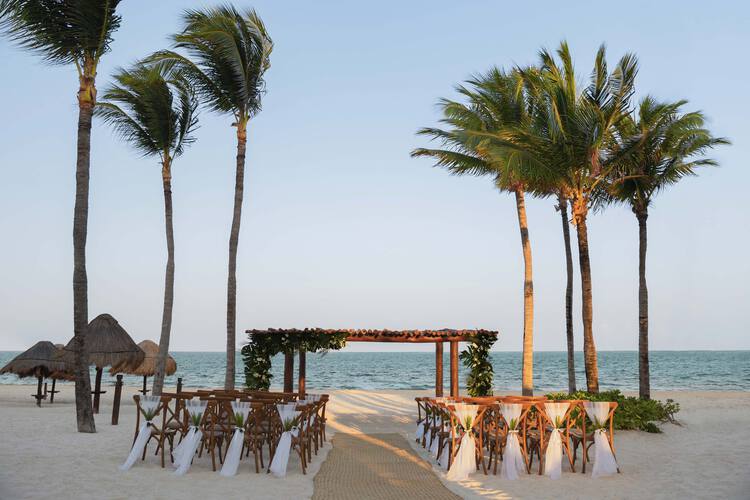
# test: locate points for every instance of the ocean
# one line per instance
(670, 370)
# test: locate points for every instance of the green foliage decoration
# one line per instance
(261, 347)
(632, 413)
(476, 357)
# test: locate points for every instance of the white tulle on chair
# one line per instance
(513, 461)
(604, 460)
(148, 404)
(183, 454)
(280, 460)
(240, 412)
(465, 461)
(553, 455)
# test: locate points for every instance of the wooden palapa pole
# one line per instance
(39, 391)
(97, 388)
(145, 389)
(289, 371)
(438, 369)
(302, 373)
(454, 369)
(116, 402)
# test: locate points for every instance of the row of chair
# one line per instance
(439, 426)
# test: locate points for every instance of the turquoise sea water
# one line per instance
(670, 370)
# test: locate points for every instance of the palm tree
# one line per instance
(495, 100)
(657, 147)
(562, 207)
(567, 146)
(227, 55)
(77, 32)
(156, 114)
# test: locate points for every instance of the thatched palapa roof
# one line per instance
(147, 368)
(42, 359)
(108, 344)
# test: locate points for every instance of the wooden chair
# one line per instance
(457, 432)
(538, 437)
(579, 435)
(156, 427)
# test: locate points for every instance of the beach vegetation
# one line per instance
(632, 413)
(77, 33)
(225, 53)
(154, 111)
(657, 146)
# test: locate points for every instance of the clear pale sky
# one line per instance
(341, 228)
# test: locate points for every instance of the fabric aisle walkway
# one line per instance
(376, 466)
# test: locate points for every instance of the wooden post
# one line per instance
(145, 389)
(438, 369)
(97, 388)
(179, 385)
(116, 402)
(289, 371)
(39, 391)
(301, 374)
(454, 369)
(53, 392)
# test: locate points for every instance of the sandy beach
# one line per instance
(41, 455)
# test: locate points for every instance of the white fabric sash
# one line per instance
(240, 410)
(148, 407)
(604, 460)
(513, 461)
(465, 461)
(420, 430)
(434, 444)
(554, 453)
(281, 456)
(185, 451)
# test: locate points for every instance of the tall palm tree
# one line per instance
(495, 100)
(227, 54)
(568, 146)
(562, 207)
(77, 32)
(658, 146)
(156, 114)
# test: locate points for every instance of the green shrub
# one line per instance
(476, 357)
(631, 413)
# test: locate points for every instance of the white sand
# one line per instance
(41, 455)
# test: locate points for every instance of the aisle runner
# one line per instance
(376, 466)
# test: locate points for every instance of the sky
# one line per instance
(341, 228)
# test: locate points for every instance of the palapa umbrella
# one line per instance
(42, 361)
(107, 344)
(147, 368)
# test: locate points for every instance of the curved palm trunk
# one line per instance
(589, 349)
(527, 370)
(644, 383)
(233, 242)
(86, 100)
(166, 317)
(563, 208)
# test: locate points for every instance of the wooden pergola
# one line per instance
(437, 337)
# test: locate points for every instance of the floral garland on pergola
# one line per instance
(257, 353)
(264, 345)
(476, 357)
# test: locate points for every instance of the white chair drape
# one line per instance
(241, 411)
(148, 407)
(420, 429)
(604, 460)
(465, 461)
(513, 461)
(554, 453)
(281, 457)
(183, 454)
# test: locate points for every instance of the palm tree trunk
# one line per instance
(86, 100)
(563, 208)
(644, 383)
(166, 316)
(580, 210)
(527, 370)
(234, 237)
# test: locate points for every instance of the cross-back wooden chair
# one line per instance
(583, 433)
